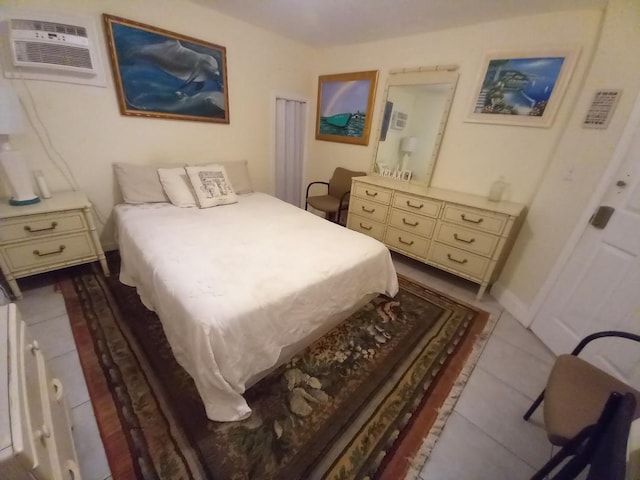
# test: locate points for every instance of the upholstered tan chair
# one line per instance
(577, 391)
(337, 198)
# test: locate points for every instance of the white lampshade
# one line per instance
(408, 144)
(11, 117)
(12, 165)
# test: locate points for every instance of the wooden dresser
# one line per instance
(55, 233)
(464, 234)
(35, 433)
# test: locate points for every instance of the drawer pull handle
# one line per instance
(409, 204)
(72, 468)
(365, 209)
(34, 230)
(470, 220)
(60, 250)
(34, 346)
(57, 389)
(43, 433)
(371, 194)
(409, 223)
(406, 243)
(471, 240)
(364, 227)
(461, 262)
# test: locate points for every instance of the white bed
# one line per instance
(239, 288)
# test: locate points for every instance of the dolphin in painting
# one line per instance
(179, 61)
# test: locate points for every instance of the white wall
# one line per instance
(87, 130)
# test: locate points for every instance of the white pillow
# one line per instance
(211, 185)
(177, 186)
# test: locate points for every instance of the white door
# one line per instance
(289, 149)
(599, 286)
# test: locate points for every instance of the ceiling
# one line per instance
(324, 23)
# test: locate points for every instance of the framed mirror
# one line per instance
(414, 114)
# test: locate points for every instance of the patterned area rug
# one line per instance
(358, 403)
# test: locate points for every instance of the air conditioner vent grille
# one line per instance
(40, 26)
(65, 55)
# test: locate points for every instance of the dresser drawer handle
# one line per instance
(34, 230)
(60, 250)
(409, 223)
(406, 243)
(470, 220)
(43, 433)
(409, 204)
(369, 194)
(461, 262)
(471, 240)
(34, 346)
(364, 227)
(365, 209)
(57, 389)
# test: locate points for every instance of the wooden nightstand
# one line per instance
(57, 232)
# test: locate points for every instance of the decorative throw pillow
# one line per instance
(139, 183)
(177, 186)
(238, 174)
(211, 185)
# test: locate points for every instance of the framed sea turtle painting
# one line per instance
(522, 87)
(345, 107)
(163, 74)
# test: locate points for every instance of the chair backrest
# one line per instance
(340, 182)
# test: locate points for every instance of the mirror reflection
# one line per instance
(415, 112)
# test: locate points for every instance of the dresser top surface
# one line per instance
(59, 201)
(466, 199)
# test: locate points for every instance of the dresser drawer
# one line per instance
(367, 209)
(34, 226)
(366, 226)
(405, 241)
(54, 250)
(371, 192)
(419, 205)
(467, 239)
(476, 219)
(417, 224)
(459, 260)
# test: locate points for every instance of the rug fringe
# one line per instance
(420, 459)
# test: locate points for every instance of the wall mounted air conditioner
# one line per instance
(50, 45)
(47, 46)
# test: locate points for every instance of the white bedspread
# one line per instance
(236, 284)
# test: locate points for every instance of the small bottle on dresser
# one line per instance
(42, 184)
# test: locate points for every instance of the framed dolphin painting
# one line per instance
(345, 107)
(163, 74)
(522, 87)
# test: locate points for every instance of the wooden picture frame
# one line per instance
(162, 74)
(522, 87)
(345, 107)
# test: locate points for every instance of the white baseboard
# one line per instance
(512, 304)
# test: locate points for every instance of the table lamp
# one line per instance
(407, 147)
(14, 168)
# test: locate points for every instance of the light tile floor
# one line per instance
(485, 436)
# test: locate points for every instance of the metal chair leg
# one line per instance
(534, 406)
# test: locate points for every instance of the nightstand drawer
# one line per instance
(417, 224)
(467, 239)
(367, 209)
(21, 228)
(366, 226)
(55, 250)
(476, 219)
(418, 205)
(458, 260)
(371, 192)
(407, 242)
